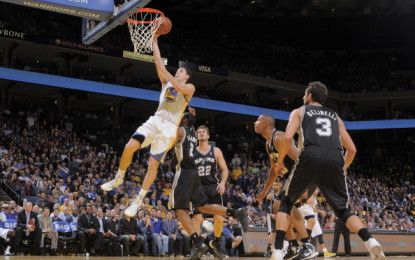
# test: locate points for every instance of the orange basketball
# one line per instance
(165, 26)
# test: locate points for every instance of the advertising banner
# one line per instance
(94, 9)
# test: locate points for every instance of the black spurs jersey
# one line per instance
(319, 135)
(206, 166)
(271, 203)
(274, 153)
(185, 150)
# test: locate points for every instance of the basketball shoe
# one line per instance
(109, 186)
(134, 207)
(277, 255)
(375, 249)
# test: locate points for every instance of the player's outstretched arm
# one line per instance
(347, 143)
(165, 75)
(158, 61)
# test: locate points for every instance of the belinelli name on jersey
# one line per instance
(315, 112)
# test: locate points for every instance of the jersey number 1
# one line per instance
(325, 129)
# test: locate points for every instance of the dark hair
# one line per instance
(188, 72)
(191, 119)
(204, 127)
(318, 91)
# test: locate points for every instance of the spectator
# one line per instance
(27, 227)
(45, 223)
(88, 229)
(170, 229)
(128, 231)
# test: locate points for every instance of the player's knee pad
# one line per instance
(320, 239)
(139, 138)
(343, 214)
(286, 205)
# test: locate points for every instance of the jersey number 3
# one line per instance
(325, 129)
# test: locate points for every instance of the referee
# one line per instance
(340, 227)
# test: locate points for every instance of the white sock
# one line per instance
(121, 173)
(142, 194)
(325, 250)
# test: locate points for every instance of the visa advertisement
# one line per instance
(93, 9)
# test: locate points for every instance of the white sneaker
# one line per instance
(134, 207)
(7, 251)
(375, 249)
(109, 186)
(277, 255)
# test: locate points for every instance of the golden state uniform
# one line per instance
(160, 130)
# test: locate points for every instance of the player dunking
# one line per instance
(265, 125)
(159, 131)
(322, 136)
(188, 188)
(207, 160)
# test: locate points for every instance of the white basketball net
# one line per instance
(142, 25)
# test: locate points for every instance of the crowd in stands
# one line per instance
(45, 160)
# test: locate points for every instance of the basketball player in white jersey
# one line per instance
(308, 210)
(159, 131)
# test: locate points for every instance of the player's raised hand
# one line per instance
(191, 110)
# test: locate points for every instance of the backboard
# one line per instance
(99, 16)
(92, 29)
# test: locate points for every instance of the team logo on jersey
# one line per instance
(171, 94)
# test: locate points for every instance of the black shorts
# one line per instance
(187, 188)
(213, 197)
(328, 175)
(270, 224)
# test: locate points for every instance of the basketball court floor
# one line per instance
(204, 258)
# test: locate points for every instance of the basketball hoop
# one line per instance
(142, 26)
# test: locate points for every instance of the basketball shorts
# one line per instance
(326, 174)
(213, 197)
(270, 224)
(316, 229)
(160, 134)
(186, 188)
(306, 211)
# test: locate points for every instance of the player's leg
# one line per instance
(197, 221)
(334, 187)
(299, 180)
(148, 181)
(141, 138)
(217, 232)
(187, 188)
(130, 148)
(239, 214)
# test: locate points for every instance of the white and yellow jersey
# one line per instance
(172, 104)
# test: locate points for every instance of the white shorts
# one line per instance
(316, 229)
(160, 134)
(306, 211)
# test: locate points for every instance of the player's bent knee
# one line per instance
(343, 214)
(134, 144)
